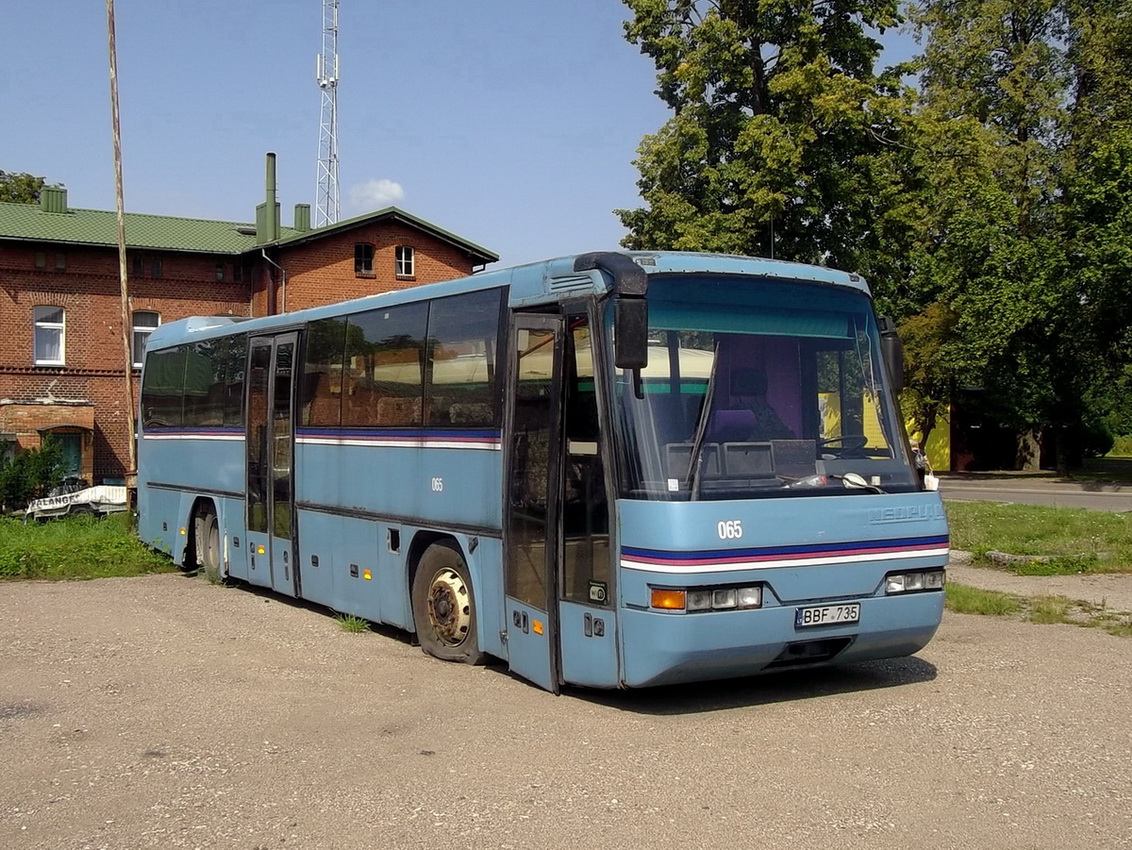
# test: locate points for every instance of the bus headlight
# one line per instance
(913, 582)
(697, 599)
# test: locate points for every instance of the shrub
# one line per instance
(30, 474)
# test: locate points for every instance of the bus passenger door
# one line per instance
(531, 541)
(270, 454)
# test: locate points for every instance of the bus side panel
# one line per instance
(486, 567)
(157, 520)
(439, 485)
(396, 608)
(318, 556)
(359, 583)
(235, 538)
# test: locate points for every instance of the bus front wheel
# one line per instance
(444, 610)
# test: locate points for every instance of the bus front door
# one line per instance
(270, 454)
(533, 440)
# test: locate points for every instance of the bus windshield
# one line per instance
(756, 388)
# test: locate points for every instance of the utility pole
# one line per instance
(326, 72)
(127, 325)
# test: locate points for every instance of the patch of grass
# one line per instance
(972, 600)
(1044, 610)
(1049, 609)
(350, 623)
(1065, 566)
(75, 548)
(1076, 540)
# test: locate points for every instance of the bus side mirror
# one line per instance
(892, 349)
(630, 332)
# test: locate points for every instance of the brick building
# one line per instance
(61, 356)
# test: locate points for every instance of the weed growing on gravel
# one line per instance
(1045, 610)
(1062, 566)
(75, 548)
(1050, 609)
(350, 623)
(972, 600)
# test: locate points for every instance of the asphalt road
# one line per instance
(1036, 490)
(166, 712)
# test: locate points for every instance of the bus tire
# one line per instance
(206, 529)
(444, 610)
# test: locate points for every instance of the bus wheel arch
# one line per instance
(443, 600)
(207, 551)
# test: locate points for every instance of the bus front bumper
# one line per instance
(661, 648)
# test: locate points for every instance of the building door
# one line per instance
(72, 446)
(270, 442)
(533, 479)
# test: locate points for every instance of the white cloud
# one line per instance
(374, 195)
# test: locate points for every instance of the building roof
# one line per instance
(478, 253)
(100, 227)
(52, 220)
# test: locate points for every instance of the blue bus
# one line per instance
(616, 469)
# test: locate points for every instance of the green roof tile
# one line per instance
(162, 232)
(100, 227)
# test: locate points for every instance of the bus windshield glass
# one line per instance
(754, 389)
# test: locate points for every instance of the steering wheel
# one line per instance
(844, 445)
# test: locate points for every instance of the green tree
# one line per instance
(783, 140)
(991, 126)
(19, 188)
(1097, 207)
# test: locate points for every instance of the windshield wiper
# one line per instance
(696, 455)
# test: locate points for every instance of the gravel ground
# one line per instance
(1110, 591)
(167, 712)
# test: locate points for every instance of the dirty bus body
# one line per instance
(610, 470)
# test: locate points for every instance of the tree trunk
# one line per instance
(1029, 457)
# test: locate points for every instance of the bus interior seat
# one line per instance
(398, 411)
(470, 413)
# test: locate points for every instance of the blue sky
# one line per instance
(512, 123)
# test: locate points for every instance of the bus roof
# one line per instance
(530, 285)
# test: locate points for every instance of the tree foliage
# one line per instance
(991, 207)
(19, 188)
(778, 127)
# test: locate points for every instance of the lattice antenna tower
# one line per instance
(326, 204)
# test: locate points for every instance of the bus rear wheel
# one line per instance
(207, 532)
(444, 610)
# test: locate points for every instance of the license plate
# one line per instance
(826, 615)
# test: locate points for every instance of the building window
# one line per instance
(50, 324)
(145, 321)
(60, 262)
(40, 260)
(405, 261)
(238, 273)
(220, 271)
(155, 268)
(363, 258)
(139, 266)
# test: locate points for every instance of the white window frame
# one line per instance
(406, 261)
(137, 356)
(43, 328)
